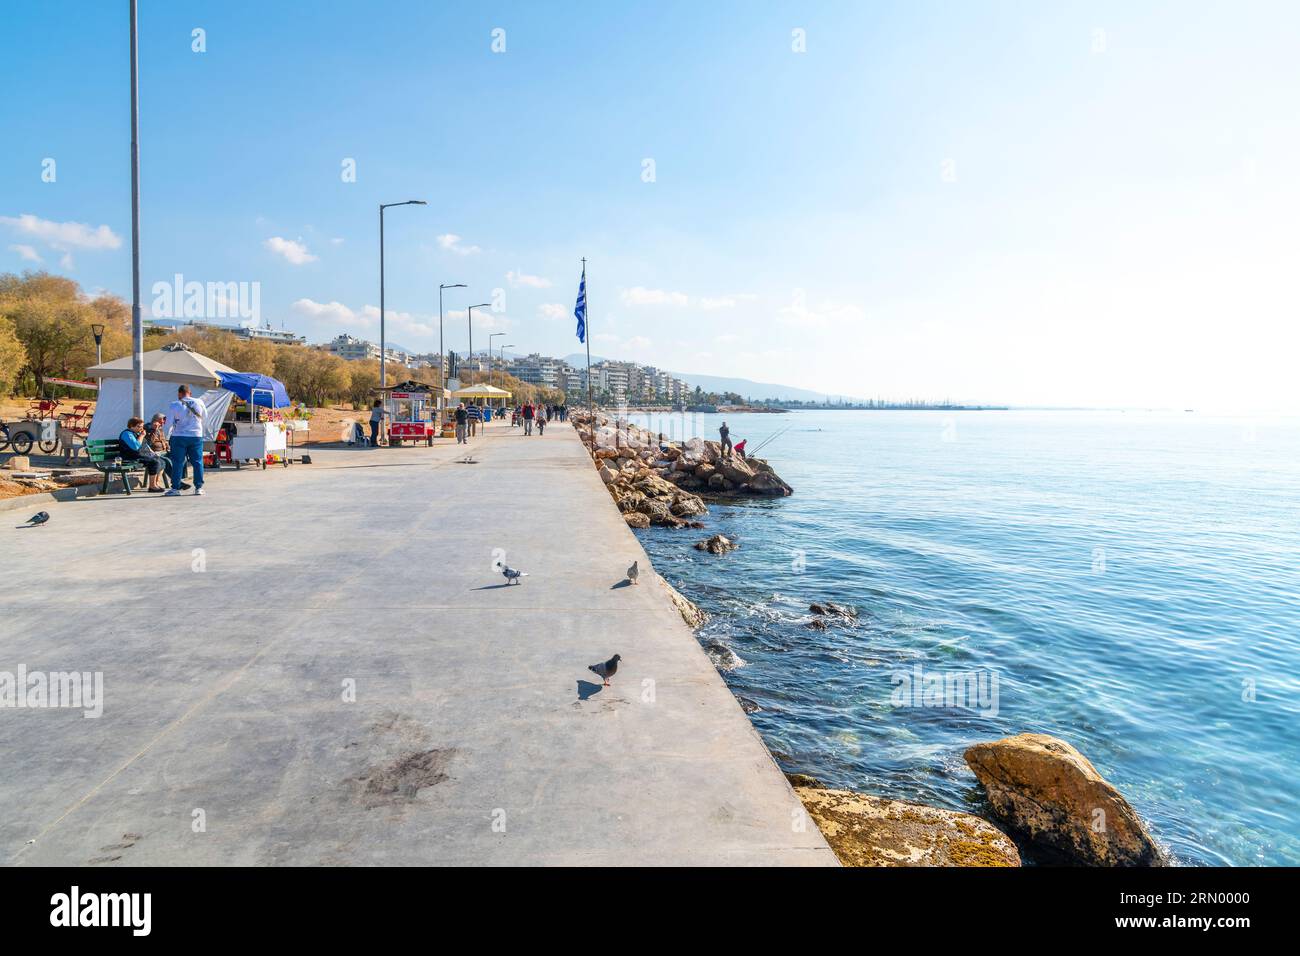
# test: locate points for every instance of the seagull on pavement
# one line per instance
(633, 572)
(607, 669)
(38, 519)
(511, 575)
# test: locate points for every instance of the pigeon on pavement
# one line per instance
(606, 670)
(39, 518)
(511, 575)
(633, 572)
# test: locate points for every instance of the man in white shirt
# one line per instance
(185, 427)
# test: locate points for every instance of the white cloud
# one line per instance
(828, 313)
(638, 343)
(63, 235)
(295, 251)
(340, 318)
(724, 301)
(336, 242)
(405, 322)
(452, 243)
(642, 296)
(552, 310)
(60, 236)
(334, 312)
(27, 253)
(523, 279)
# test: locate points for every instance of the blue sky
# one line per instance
(1059, 203)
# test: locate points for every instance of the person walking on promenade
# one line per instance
(462, 423)
(475, 415)
(377, 414)
(528, 418)
(185, 423)
(541, 424)
(725, 432)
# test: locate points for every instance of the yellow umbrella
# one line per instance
(480, 391)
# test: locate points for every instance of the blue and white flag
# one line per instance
(580, 309)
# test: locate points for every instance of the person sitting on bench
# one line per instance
(132, 447)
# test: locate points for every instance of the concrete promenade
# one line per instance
(234, 630)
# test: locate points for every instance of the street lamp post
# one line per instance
(442, 356)
(469, 321)
(137, 317)
(383, 344)
(97, 330)
(490, 338)
(458, 285)
(503, 363)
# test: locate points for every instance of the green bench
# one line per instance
(105, 454)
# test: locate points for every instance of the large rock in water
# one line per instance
(872, 831)
(1050, 794)
(717, 544)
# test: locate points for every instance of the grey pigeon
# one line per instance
(39, 518)
(606, 670)
(633, 572)
(512, 575)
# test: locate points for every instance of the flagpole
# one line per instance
(586, 322)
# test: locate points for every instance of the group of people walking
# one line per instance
(529, 415)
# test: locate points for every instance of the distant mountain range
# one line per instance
(758, 391)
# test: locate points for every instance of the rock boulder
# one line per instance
(872, 831)
(1049, 794)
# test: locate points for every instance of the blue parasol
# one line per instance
(262, 389)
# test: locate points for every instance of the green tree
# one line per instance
(13, 357)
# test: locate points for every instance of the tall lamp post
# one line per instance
(469, 320)
(442, 356)
(383, 343)
(97, 330)
(503, 364)
(457, 285)
(490, 338)
(137, 318)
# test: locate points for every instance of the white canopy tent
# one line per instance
(164, 370)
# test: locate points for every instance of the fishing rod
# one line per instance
(769, 439)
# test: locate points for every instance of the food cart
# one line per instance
(251, 431)
(412, 409)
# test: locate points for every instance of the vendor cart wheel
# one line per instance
(22, 443)
(4, 437)
(48, 446)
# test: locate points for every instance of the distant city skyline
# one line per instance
(1066, 205)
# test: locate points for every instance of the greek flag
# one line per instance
(580, 309)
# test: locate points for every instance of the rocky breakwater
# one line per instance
(657, 482)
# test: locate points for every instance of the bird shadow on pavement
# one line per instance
(493, 587)
(586, 689)
(625, 583)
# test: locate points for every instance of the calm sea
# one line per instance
(1127, 581)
